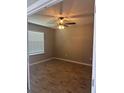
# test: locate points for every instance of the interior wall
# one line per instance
(75, 43)
(48, 42)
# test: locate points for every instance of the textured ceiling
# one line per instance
(73, 9)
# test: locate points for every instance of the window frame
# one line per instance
(40, 52)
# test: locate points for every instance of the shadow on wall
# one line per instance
(73, 43)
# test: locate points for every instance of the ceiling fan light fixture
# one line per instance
(61, 21)
(61, 27)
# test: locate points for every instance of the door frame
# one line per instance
(93, 86)
(40, 5)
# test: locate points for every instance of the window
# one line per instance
(35, 42)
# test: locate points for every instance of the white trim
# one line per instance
(93, 88)
(28, 76)
(67, 60)
(71, 61)
(38, 62)
(37, 53)
(41, 4)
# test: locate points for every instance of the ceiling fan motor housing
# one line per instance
(61, 18)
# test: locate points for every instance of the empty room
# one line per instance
(60, 46)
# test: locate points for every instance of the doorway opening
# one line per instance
(60, 46)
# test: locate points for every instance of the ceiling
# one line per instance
(73, 9)
(30, 2)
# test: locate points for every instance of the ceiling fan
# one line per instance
(65, 21)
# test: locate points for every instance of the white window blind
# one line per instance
(35, 42)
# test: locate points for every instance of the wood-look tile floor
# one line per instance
(60, 77)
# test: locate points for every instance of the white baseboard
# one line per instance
(71, 61)
(67, 60)
(38, 62)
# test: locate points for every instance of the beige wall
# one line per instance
(48, 42)
(75, 43)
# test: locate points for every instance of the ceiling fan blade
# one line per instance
(71, 23)
(66, 25)
(81, 15)
(67, 21)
